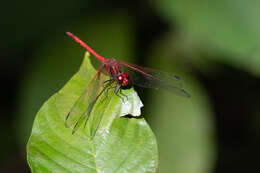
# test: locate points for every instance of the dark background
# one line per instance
(213, 45)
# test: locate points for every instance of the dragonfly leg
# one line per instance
(67, 115)
(116, 90)
(107, 81)
(120, 91)
(107, 88)
(106, 92)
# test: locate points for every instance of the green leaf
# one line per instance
(121, 144)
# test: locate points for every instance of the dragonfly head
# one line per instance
(123, 79)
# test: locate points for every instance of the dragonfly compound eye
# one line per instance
(125, 81)
(125, 75)
(120, 78)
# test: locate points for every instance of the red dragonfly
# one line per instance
(135, 75)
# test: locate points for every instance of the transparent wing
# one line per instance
(83, 106)
(150, 78)
(99, 107)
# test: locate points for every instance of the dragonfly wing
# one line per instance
(85, 115)
(150, 78)
(79, 110)
(100, 103)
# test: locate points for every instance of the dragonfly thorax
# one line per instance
(112, 67)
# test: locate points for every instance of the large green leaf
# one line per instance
(121, 144)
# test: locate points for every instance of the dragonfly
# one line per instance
(121, 74)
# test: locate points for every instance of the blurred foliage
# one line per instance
(229, 30)
(183, 127)
(32, 18)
